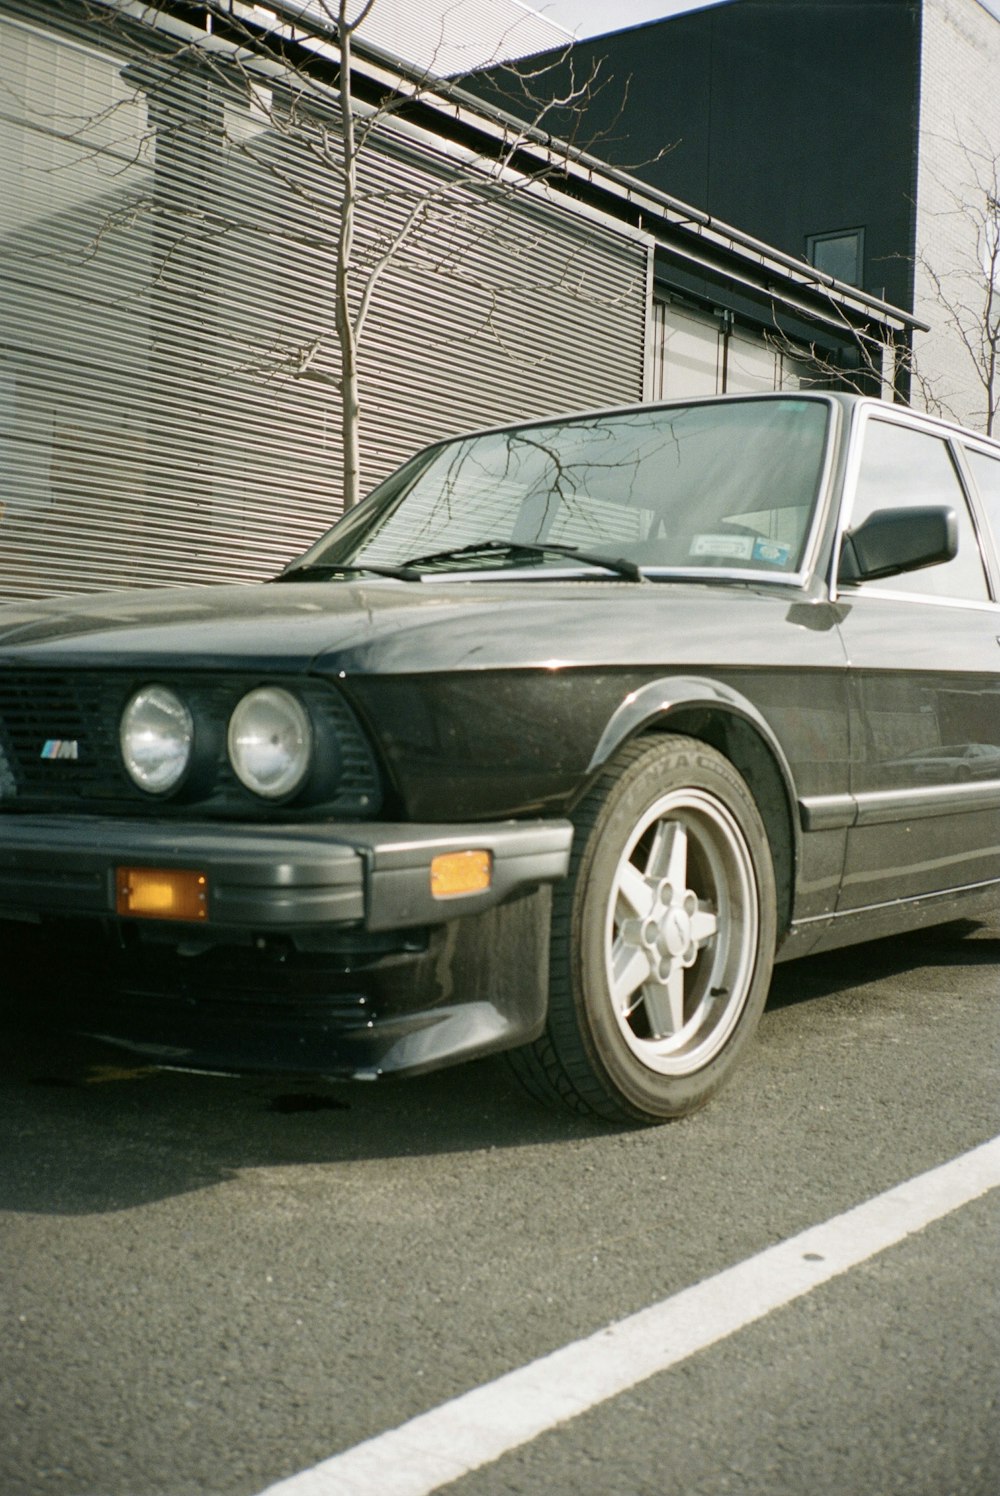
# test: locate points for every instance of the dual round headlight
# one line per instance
(269, 740)
(157, 736)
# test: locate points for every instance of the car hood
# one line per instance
(381, 626)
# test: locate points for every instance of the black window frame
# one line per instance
(829, 236)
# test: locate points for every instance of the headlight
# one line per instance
(156, 736)
(270, 742)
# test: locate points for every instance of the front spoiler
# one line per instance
(324, 950)
(457, 991)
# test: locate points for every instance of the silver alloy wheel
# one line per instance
(663, 936)
(681, 932)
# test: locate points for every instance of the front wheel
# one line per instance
(663, 938)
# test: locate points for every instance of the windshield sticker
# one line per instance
(776, 552)
(742, 548)
(735, 547)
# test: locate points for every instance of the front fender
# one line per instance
(653, 704)
(718, 714)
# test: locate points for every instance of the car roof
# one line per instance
(849, 401)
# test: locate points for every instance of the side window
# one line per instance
(902, 468)
(986, 471)
(840, 254)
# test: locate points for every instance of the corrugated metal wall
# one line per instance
(169, 409)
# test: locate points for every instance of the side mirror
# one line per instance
(891, 541)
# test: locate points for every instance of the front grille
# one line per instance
(78, 714)
(59, 747)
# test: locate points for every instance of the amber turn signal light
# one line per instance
(457, 873)
(161, 893)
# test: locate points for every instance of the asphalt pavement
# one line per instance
(210, 1284)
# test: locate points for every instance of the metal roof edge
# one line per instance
(620, 193)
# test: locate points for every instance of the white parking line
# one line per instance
(477, 1428)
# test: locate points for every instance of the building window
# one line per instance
(840, 254)
(686, 353)
(695, 352)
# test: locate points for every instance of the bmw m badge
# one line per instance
(60, 748)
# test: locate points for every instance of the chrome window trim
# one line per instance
(989, 544)
(855, 590)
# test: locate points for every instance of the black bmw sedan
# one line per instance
(553, 745)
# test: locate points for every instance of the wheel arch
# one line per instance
(717, 715)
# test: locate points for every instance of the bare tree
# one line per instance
(959, 263)
(303, 81)
(863, 362)
(962, 273)
(506, 169)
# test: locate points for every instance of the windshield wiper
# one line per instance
(318, 572)
(513, 550)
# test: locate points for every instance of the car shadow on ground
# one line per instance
(92, 1128)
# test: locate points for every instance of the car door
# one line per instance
(924, 681)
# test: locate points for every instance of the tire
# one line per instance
(663, 938)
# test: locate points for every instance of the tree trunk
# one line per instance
(350, 404)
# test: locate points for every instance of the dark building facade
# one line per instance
(795, 120)
(860, 135)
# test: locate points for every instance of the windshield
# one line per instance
(729, 485)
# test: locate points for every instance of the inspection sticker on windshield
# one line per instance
(774, 551)
(741, 548)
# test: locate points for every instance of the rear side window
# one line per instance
(901, 469)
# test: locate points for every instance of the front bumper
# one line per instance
(274, 878)
(323, 949)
